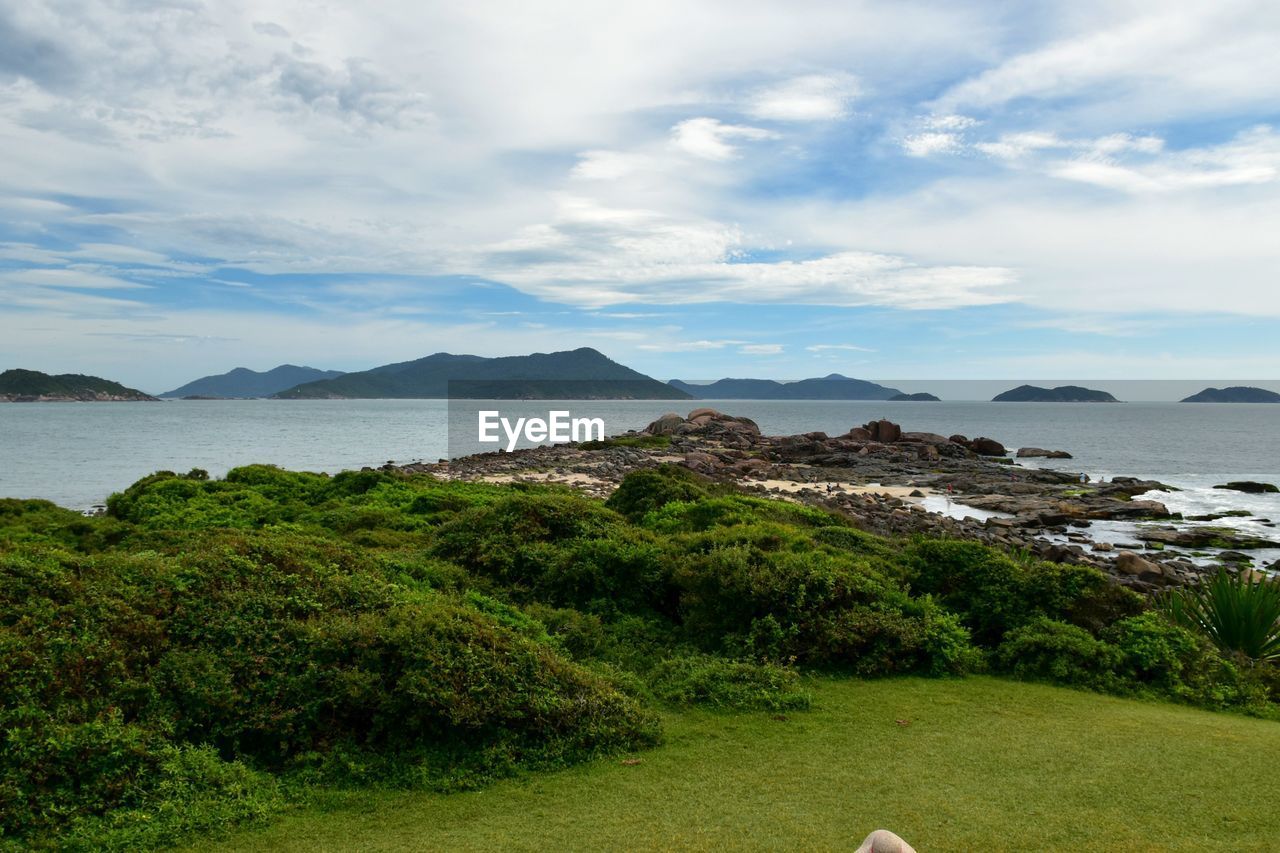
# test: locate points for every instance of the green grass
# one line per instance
(984, 764)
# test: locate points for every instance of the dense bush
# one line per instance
(214, 645)
(1050, 650)
(643, 491)
(995, 593)
(274, 650)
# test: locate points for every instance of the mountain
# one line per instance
(1234, 394)
(243, 382)
(581, 374)
(1061, 394)
(32, 386)
(831, 387)
(919, 397)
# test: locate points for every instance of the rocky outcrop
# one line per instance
(1249, 487)
(872, 473)
(987, 447)
(1041, 453)
(885, 432)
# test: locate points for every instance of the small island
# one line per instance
(1061, 394)
(918, 397)
(32, 386)
(1234, 394)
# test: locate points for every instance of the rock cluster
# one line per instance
(872, 472)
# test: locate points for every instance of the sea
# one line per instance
(76, 454)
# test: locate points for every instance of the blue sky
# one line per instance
(883, 189)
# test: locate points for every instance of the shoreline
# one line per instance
(897, 483)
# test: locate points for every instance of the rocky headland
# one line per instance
(896, 482)
(32, 386)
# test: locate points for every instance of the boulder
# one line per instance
(702, 462)
(1130, 563)
(960, 439)
(987, 447)
(884, 431)
(704, 412)
(860, 434)
(1041, 453)
(666, 424)
(1249, 487)
(925, 437)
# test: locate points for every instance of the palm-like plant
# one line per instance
(1237, 613)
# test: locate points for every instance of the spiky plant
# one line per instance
(1236, 612)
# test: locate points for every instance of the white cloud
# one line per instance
(1142, 164)
(689, 346)
(1011, 146)
(1133, 62)
(707, 137)
(812, 97)
(593, 256)
(761, 349)
(826, 347)
(949, 122)
(605, 165)
(77, 278)
(928, 144)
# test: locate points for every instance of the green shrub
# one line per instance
(279, 651)
(643, 491)
(561, 549)
(727, 684)
(994, 593)
(815, 607)
(1049, 650)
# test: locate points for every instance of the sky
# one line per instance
(905, 190)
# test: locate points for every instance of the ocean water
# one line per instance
(76, 454)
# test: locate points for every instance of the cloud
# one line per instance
(605, 165)
(761, 349)
(826, 347)
(1127, 61)
(689, 346)
(1142, 164)
(594, 256)
(812, 97)
(353, 90)
(72, 277)
(707, 137)
(928, 144)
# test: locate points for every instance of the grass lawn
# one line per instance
(981, 765)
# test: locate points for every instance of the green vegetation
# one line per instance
(18, 383)
(215, 650)
(1240, 614)
(977, 764)
(645, 441)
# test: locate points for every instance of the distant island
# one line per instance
(830, 387)
(1061, 394)
(32, 386)
(242, 383)
(1234, 394)
(918, 397)
(582, 374)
